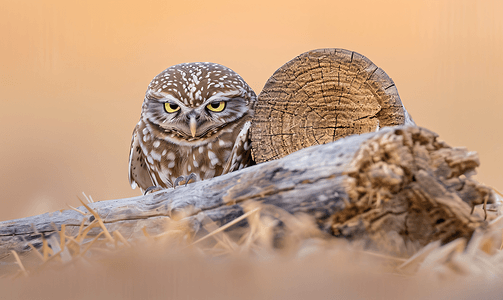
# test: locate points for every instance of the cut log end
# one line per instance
(319, 97)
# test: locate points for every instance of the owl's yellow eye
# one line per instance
(171, 107)
(216, 106)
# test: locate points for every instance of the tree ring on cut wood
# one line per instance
(319, 97)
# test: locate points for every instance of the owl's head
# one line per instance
(189, 102)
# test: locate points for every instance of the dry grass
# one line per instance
(243, 263)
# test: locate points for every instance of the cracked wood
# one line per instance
(319, 97)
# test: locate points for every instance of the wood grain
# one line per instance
(319, 97)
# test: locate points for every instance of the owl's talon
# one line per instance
(184, 178)
(178, 180)
(152, 189)
(191, 176)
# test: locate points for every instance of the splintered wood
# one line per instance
(409, 189)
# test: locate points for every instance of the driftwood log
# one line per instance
(397, 188)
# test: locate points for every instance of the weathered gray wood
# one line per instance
(397, 185)
(319, 97)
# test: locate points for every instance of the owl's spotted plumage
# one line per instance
(195, 119)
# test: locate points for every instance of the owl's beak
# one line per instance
(192, 126)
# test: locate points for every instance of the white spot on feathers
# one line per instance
(223, 143)
(211, 155)
(171, 156)
(155, 155)
(213, 158)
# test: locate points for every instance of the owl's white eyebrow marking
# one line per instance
(165, 97)
(226, 94)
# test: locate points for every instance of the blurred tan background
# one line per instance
(73, 75)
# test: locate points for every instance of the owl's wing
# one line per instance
(138, 172)
(241, 152)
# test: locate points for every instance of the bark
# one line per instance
(397, 188)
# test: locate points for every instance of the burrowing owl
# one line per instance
(195, 119)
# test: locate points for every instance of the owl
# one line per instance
(195, 120)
